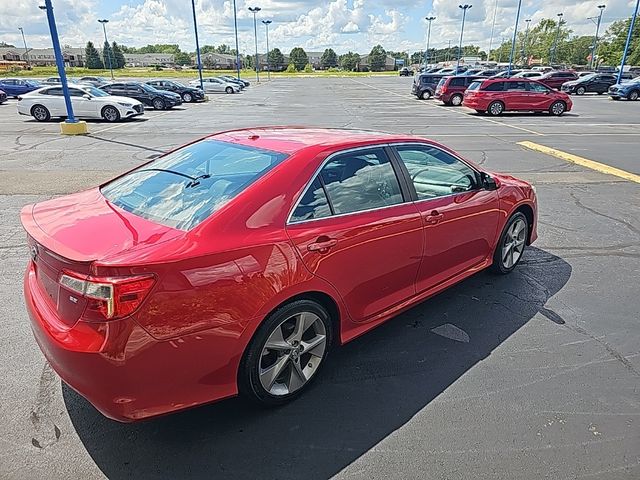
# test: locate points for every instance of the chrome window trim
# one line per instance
(369, 147)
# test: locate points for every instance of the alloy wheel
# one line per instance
(514, 243)
(292, 353)
(158, 104)
(187, 97)
(558, 108)
(496, 108)
(456, 100)
(581, 91)
(40, 113)
(633, 95)
(110, 114)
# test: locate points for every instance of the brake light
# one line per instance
(108, 298)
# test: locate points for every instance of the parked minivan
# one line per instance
(451, 90)
(424, 85)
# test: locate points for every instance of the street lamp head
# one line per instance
(465, 6)
(561, 15)
(254, 10)
(104, 20)
(429, 19)
(20, 28)
(267, 22)
(602, 7)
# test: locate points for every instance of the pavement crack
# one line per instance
(42, 413)
(579, 204)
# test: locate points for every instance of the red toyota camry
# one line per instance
(233, 264)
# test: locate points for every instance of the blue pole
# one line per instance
(195, 28)
(626, 47)
(235, 23)
(59, 61)
(513, 42)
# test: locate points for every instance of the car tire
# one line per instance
(426, 95)
(633, 95)
(110, 114)
(276, 375)
(511, 245)
(187, 97)
(228, 90)
(40, 113)
(495, 108)
(456, 100)
(158, 104)
(558, 108)
(581, 91)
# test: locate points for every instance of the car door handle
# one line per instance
(322, 245)
(433, 218)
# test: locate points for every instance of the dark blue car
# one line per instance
(17, 86)
(629, 90)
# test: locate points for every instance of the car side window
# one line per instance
(313, 204)
(55, 91)
(74, 92)
(434, 172)
(519, 86)
(537, 87)
(495, 87)
(361, 180)
(457, 82)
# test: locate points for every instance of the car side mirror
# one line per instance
(87, 96)
(488, 182)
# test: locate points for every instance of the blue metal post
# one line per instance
(513, 42)
(464, 8)
(235, 24)
(195, 28)
(626, 47)
(59, 61)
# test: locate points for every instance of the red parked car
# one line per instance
(234, 263)
(555, 79)
(497, 95)
(451, 90)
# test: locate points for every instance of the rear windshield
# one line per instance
(185, 187)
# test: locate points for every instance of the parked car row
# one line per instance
(110, 101)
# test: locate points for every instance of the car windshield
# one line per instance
(95, 92)
(185, 187)
(589, 76)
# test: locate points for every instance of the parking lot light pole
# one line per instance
(255, 10)
(513, 42)
(235, 26)
(626, 46)
(26, 50)
(595, 39)
(464, 8)
(104, 22)
(555, 42)
(266, 26)
(70, 126)
(427, 57)
(195, 29)
(525, 46)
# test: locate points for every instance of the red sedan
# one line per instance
(497, 95)
(232, 264)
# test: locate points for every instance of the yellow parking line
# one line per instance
(584, 162)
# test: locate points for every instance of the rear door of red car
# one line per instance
(460, 218)
(355, 228)
(516, 95)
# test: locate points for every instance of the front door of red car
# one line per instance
(516, 95)
(541, 97)
(354, 228)
(460, 218)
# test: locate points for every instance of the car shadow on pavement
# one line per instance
(369, 389)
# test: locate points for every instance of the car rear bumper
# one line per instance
(123, 371)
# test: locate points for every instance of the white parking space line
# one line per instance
(120, 125)
(426, 104)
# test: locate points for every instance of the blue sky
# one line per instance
(315, 25)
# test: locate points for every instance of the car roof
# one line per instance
(291, 139)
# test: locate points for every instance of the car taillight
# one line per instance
(108, 298)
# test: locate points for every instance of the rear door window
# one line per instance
(361, 180)
(516, 86)
(313, 204)
(495, 87)
(457, 82)
(185, 187)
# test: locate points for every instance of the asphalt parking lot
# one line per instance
(534, 375)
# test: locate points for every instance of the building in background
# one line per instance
(148, 59)
(44, 57)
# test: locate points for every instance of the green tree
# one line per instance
(418, 57)
(329, 59)
(308, 68)
(118, 56)
(291, 68)
(299, 58)
(183, 58)
(92, 57)
(612, 46)
(276, 59)
(349, 61)
(377, 58)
